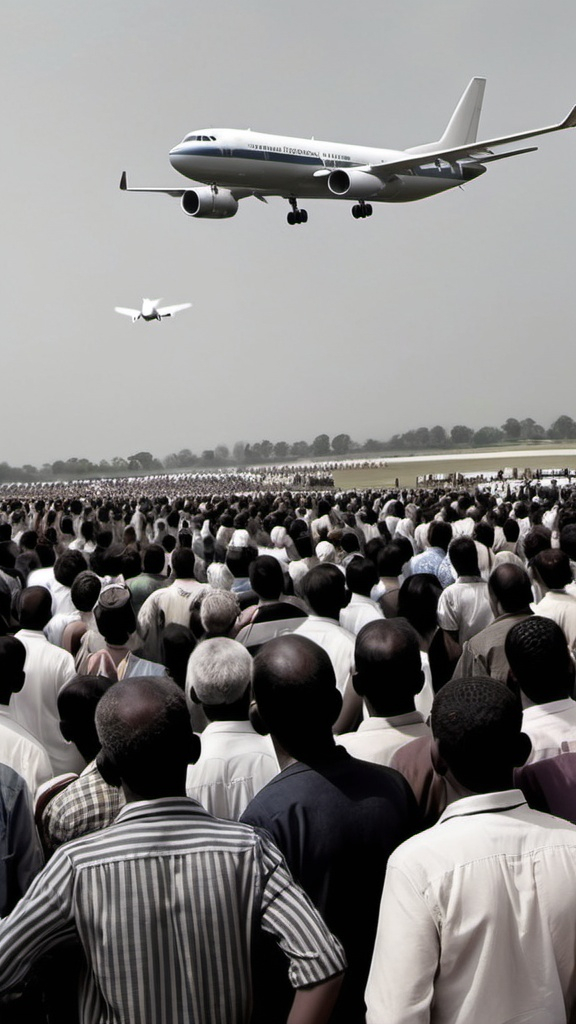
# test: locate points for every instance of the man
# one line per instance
(151, 579)
(20, 853)
(553, 574)
(88, 803)
(66, 629)
(336, 819)
(116, 623)
(464, 608)
(438, 539)
(510, 594)
(165, 902)
(542, 668)
(361, 577)
(19, 749)
(388, 677)
(324, 590)
(235, 762)
(478, 914)
(48, 669)
(169, 604)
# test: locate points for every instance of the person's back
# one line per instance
(335, 818)
(478, 915)
(167, 900)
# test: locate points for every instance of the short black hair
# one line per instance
(476, 723)
(324, 589)
(418, 601)
(539, 659)
(154, 559)
(85, 591)
(464, 556)
(510, 585)
(267, 577)
(68, 566)
(553, 568)
(361, 576)
(183, 562)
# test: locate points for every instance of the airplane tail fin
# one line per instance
(462, 127)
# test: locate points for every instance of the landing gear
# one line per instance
(296, 216)
(361, 210)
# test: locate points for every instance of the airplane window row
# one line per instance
(200, 138)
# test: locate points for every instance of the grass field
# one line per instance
(408, 468)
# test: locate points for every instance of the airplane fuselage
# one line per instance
(280, 165)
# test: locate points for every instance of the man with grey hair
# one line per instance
(236, 762)
(167, 901)
(218, 613)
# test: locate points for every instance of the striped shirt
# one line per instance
(166, 902)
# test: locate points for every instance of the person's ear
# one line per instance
(193, 695)
(108, 770)
(65, 730)
(523, 749)
(335, 704)
(194, 747)
(256, 720)
(438, 762)
(358, 683)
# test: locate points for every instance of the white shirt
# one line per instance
(378, 739)
(21, 751)
(551, 728)
(464, 607)
(561, 608)
(235, 763)
(358, 612)
(336, 641)
(478, 920)
(48, 669)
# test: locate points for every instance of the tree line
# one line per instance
(243, 454)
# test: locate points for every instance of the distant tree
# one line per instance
(512, 429)
(29, 470)
(266, 449)
(531, 431)
(59, 467)
(239, 452)
(300, 449)
(207, 457)
(487, 436)
(144, 460)
(321, 445)
(422, 437)
(438, 437)
(280, 450)
(104, 465)
(222, 453)
(341, 444)
(119, 463)
(371, 445)
(563, 427)
(461, 434)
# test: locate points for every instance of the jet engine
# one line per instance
(205, 202)
(354, 184)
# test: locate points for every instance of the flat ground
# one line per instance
(407, 468)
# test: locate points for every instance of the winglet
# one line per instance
(123, 183)
(570, 121)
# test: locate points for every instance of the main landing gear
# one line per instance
(296, 216)
(361, 210)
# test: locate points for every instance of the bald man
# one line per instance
(165, 900)
(335, 818)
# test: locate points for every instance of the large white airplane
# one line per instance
(234, 164)
(151, 311)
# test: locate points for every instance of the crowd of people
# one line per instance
(287, 753)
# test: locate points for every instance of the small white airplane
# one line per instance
(151, 311)
(235, 164)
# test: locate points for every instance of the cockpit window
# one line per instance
(200, 138)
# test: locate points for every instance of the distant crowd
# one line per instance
(273, 751)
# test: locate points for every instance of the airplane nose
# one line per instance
(177, 157)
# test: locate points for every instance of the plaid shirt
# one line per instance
(86, 805)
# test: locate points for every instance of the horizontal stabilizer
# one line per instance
(126, 312)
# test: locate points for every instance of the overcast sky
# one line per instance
(459, 308)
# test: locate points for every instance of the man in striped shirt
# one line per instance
(167, 901)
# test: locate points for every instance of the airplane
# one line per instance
(233, 164)
(151, 311)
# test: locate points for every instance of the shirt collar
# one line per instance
(484, 803)
(164, 807)
(553, 707)
(394, 722)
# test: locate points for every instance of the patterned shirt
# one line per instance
(86, 805)
(166, 902)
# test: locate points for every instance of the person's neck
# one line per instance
(308, 755)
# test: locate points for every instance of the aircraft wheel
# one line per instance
(368, 209)
(303, 216)
(356, 212)
(291, 218)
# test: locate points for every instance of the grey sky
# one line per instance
(456, 309)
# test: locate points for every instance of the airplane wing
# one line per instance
(238, 193)
(170, 310)
(126, 312)
(477, 151)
